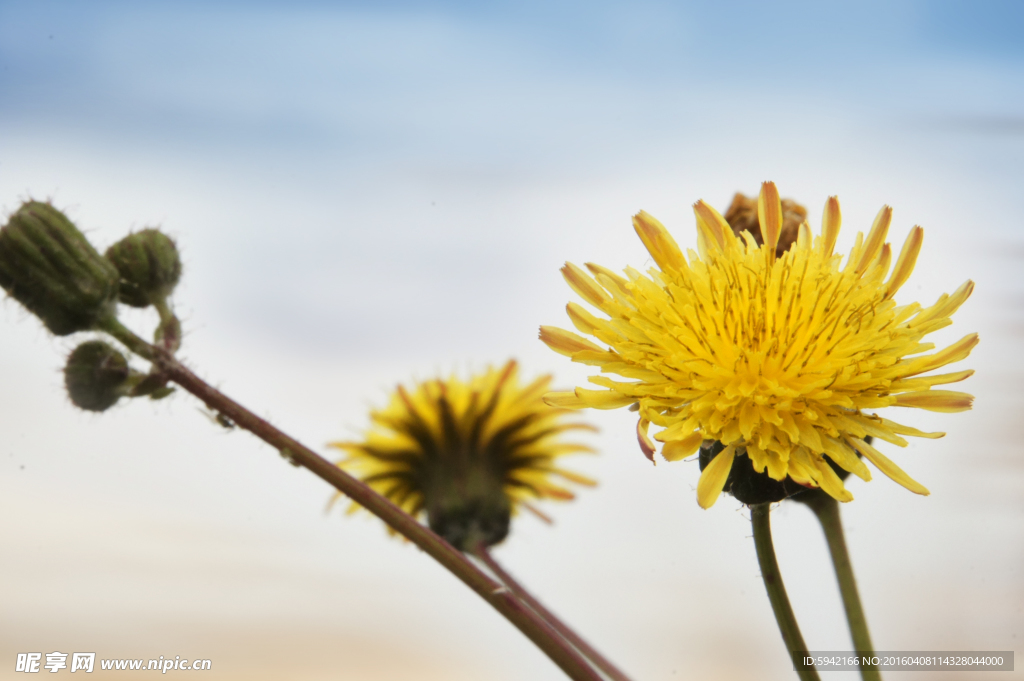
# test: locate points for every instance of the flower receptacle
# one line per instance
(469, 509)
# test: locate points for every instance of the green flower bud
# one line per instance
(49, 266)
(149, 266)
(96, 376)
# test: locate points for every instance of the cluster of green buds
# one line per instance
(49, 266)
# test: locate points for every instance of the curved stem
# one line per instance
(168, 334)
(128, 338)
(571, 636)
(827, 511)
(524, 619)
(788, 627)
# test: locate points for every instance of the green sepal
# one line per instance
(161, 393)
(147, 385)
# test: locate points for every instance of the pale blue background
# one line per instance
(370, 192)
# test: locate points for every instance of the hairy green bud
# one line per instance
(48, 265)
(96, 376)
(149, 266)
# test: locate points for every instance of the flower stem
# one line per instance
(168, 334)
(526, 620)
(788, 627)
(526, 597)
(128, 338)
(827, 510)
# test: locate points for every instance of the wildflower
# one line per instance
(781, 357)
(467, 453)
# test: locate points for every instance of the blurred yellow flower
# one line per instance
(777, 356)
(467, 453)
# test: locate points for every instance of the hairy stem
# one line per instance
(526, 620)
(128, 338)
(571, 636)
(168, 334)
(788, 627)
(827, 510)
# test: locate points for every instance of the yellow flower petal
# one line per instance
(658, 241)
(831, 484)
(954, 353)
(713, 478)
(769, 214)
(604, 399)
(586, 287)
(804, 237)
(883, 464)
(565, 342)
(646, 444)
(674, 450)
(906, 262)
(564, 400)
(711, 225)
(619, 282)
(831, 220)
(936, 400)
(876, 237)
(907, 430)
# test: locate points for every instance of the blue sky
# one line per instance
(328, 103)
(372, 78)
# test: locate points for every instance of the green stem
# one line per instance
(784, 616)
(526, 620)
(168, 334)
(571, 636)
(128, 338)
(827, 510)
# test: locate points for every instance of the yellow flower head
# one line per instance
(467, 453)
(779, 357)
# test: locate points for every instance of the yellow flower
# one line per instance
(777, 356)
(467, 453)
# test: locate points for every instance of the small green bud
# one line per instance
(48, 265)
(96, 376)
(149, 266)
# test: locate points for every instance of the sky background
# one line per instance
(370, 193)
